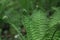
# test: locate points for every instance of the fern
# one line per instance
(33, 15)
(36, 25)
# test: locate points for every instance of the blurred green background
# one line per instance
(30, 19)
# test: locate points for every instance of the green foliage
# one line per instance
(33, 15)
(36, 24)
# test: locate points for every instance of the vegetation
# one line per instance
(29, 19)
